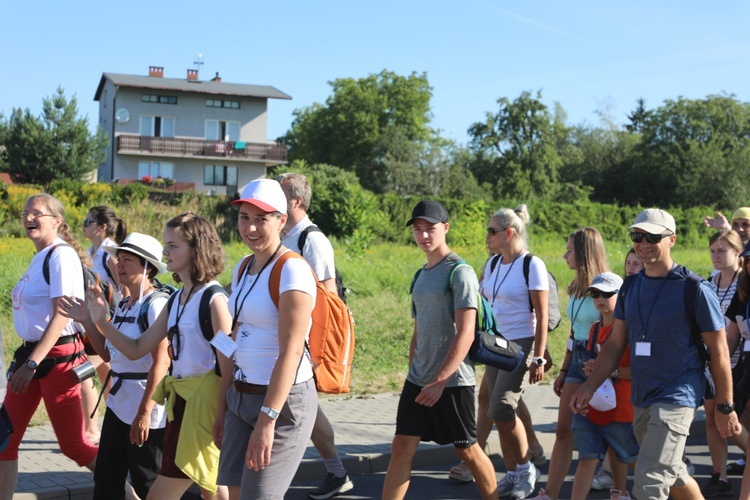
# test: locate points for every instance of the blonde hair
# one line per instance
(516, 219)
(55, 207)
(591, 259)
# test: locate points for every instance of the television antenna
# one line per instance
(199, 62)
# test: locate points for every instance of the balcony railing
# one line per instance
(196, 147)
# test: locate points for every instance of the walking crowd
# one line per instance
(215, 386)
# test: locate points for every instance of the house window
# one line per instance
(219, 175)
(217, 130)
(219, 103)
(155, 169)
(161, 99)
(157, 126)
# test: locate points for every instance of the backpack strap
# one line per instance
(105, 259)
(275, 280)
(145, 305)
(303, 235)
(244, 266)
(204, 318)
(493, 262)
(526, 270)
(45, 264)
(691, 296)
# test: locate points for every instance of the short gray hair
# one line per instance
(299, 187)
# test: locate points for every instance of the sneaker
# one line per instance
(505, 485)
(525, 482)
(735, 469)
(618, 495)
(542, 495)
(331, 486)
(689, 466)
(461, 472)
(537, 457)
(602, 480)
(716, 487)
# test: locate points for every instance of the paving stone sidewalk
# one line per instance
(364, 429)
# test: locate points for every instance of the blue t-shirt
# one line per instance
(583, 313)
(654, 312)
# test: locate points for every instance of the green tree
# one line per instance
(694, 149)
(355, 127)
(56, 145)
(517, 147)
(637, 117)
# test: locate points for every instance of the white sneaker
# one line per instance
(542, 495)
(505, 485)
(525, 482)
(602, 480)
(618, 495)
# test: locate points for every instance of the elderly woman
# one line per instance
(272, 402)
(51, 346)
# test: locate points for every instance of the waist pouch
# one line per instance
(22, 355)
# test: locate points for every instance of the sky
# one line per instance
(590, 56)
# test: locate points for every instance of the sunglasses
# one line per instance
(651, 238)
(491, 231)
(173, 337)
(595, 294)
(88, 222)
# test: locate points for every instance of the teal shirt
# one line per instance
(582, 313)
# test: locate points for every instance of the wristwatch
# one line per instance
(725, 408)
(32, 365)
(539, 360)
(272, 414)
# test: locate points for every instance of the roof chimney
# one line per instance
(192, 74)
(156, 71)
(217, 78)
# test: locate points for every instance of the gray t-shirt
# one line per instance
(433, 306)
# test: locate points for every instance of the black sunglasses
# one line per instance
(595, 294)
(651, 238)
(173, 337)
(88, 222)
(491, 231)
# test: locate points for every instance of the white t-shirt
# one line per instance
(258, 320)
(318, 251)
(195, 356)
(128, 398)
(506, 290)
(31, 297)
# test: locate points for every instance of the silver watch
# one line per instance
(272, 414)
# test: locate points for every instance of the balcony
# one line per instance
(273, 153)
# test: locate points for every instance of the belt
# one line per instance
(123, 376)
(246, 388)
(67, 339)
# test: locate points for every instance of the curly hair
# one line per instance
(205, 245)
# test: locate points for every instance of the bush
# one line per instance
(133, 193)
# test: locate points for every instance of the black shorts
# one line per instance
(451, 420)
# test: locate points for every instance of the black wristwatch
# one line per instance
(725, 408)
(32, 365)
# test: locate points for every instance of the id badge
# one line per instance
(746, 346)
(570, 344)
(643, 348)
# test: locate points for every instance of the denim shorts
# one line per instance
(580, 355)
(591, 440)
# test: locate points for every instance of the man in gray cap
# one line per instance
(660, 313)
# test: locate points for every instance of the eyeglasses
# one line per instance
(35, 215)
(491, 231)
(595, 294)
(173, 337)
(88, 222)
(651, 238)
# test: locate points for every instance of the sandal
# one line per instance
(461, 472)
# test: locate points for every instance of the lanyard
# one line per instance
(726, 290)
(238, 305)
(180, 312)
(575, 313)
(644, 326)
(593, 348)
(496, 286)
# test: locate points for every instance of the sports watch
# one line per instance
(272, 414)
(33, 365)
(539, 360)
(725, 408)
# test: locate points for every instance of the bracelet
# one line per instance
(564, 370)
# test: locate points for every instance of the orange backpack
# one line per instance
(331, 343)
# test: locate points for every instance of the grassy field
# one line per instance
(379, 299)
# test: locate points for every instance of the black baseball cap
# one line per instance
(429, 210)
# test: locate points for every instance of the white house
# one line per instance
(209, 133)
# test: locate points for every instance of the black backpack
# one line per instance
(162, 290)
(204, 317)
(340, 288)
(553, 304)
(90, 277)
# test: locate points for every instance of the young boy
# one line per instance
(598, 430)
(437, 402)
